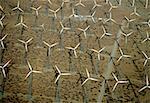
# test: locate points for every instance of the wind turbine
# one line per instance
(3, 68)
(60, 74)
(31, 70)
(74, 49)
(118, 82)
(98, 52)
(25, 43)
(146, 86)
(88, 78)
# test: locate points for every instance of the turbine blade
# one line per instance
(29, 65)
(29, 40)
(115, 77)
(28, 75)
(93, 79)
(4, 74)
(119, 58)
(114, 86)
(57, 78)
(35, 71)
(142, 88)
(46, 43)
(4, 37)
(57, 69)
(54, 44)
(6, 63)
(87, 72)
(84, 82)
(77, 45)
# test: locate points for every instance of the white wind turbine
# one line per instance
(95, 5)
(50, 46)
(84, 30)
(60, 74)
(118, 82)
(25, 43)
(21, 23)
(147, 38)
(146, 58)
(31, 70)
(54, 12)
(3, 68)
(135, 12)
(63, 28)
(43, 27)
(146, 86)
(74, 49)
(73, 14)
(36, 10)
(18, 7)
(92, 16)
(110, 18)
(111, 7)
(89, 78)
(104, 32)
(129, 20)
(80, 3)
(147, 23)
(126, 36)
(98, 52)
(122, 55)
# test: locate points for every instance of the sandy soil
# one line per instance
(40, 88)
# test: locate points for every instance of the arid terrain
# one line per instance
(67, 51)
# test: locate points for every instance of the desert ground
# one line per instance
(67, 51)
